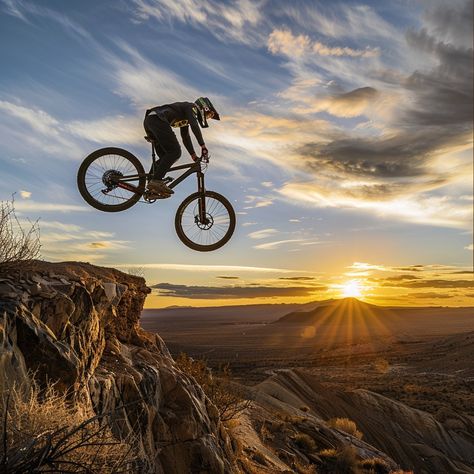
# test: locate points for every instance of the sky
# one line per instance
(345, 142)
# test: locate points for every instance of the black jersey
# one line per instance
(182, 115)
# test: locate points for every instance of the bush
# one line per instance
(225, 396)
(42, 431)
(346, 425)
(18, 246)
(375, 466)
(305, 442)
(342, 461)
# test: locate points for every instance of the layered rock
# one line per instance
(78, 325)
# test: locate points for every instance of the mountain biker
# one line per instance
(158, 122)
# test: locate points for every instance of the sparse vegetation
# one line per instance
(19, 245)
(304, 442)
(225, 395)
(43, 431)
(342, 461)
(346, 425)
(375, 466)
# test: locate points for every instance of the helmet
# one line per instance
(205, 105)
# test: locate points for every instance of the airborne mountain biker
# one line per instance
(158, 122)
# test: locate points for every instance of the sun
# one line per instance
(352, 289)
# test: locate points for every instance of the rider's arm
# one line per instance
(187, 140)
(192, 120)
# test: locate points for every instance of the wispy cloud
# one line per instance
(262, 234)
(236, 21)
(276, 244)
(209, 268)
(230, 292)
(33, 206)
(284, 42)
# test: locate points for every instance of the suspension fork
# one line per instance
(202, 197)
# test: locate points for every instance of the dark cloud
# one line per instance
(224, 277)
(402, 278)
(412, 268)
(463, 272)
(302, 278)
(230, 292)
(431, 284)
(430, 295)
(438, 118)
(353, 99)
(444, 95)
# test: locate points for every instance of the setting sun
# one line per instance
(351, 289)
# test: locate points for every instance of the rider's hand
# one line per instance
(204, 151)
(194, 157)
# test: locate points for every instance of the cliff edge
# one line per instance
(78, 325)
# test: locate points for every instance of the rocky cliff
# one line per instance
(78, 324)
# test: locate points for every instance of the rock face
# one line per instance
(78, 324)
(413, 438)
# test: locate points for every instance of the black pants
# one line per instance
(166, 146)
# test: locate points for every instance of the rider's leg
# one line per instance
(168, 148)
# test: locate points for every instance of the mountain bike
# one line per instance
(113, 179)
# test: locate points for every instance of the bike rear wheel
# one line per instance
(219, 222)
(111, 179)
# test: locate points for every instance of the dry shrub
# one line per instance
(43, 432)
(342, 461)
(219, 388)
(381, 365)
(304, 442)
(19, 245)
(346, 425)
(302, 468)
(375, 466)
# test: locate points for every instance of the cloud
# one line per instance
(348, 104)
(276, 244)
(430, 295)
(111, 129)
(469, 247)
(229, 22)
(26, 11)
(231, 292)
(33, 206)
(262, 234)
(297, 278)
(405, 204)
(209, 268)
(282, 41)
(143, 82)
(432, 284)
(25, 194)
(224, 277)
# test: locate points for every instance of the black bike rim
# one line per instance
(210, 231)
(102, 179)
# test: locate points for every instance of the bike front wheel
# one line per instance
(111, 179)
(211, 233)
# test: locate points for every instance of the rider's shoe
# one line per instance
(158, 186)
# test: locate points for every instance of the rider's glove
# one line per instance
(204, 150)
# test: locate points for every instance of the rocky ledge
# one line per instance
(78, 325)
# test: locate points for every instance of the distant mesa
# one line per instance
(330, 308)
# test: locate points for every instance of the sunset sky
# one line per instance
(345, 143)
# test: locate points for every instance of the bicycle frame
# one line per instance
(194, 167)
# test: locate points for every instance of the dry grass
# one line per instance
(225, 396)
(42, 431)
(375, 466)
(346, 425)
(304, 442)
(19, 245)
(342, 461)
